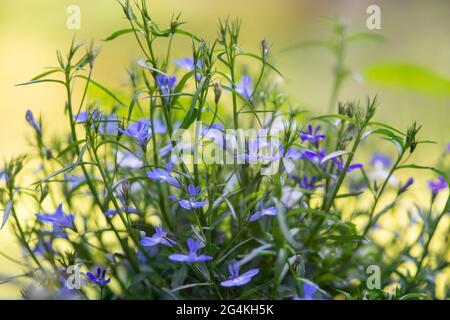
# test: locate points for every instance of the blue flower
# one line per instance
(109, 125)
(166, 84)
(244, 88)
(193, 247)
(191, 202)
(438, 185)
(406, 186)
(100, 278)
(30, 119)
(294, 154)
(84, 116)
(311, 135)
(43, 247)
(139, 130)
(306, 183)
(58, 218)
(315, 156)
(158, 127)
(236, 280)
(339, 162)
(379, 160)
(159, 237)
(74, 181)
(309, 290)
(188, 64)
(124, 209)
(159, 174)
(271, 211)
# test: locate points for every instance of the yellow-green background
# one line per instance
(415, 31)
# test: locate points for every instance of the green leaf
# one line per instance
(281, 216)
(6, 213)
(104, 89)
(193, 110)
(334, 155)
(118, 33)
(409, 76)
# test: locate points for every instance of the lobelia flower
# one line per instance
(30, 119)
(165, 84)
(190, 203)
(436, 186)
(306, 183)
(74, 181)
(294, 154)
(139, 130)
(312, 135)
(158, 127)
(99, 279)
(109, 125)
(315, 156)
(309, 290)
(188, 64)
(193, 247)
(339, 162)
(381, 166)
(58, 219)
(159, 237)
(159, 174)
(84, 116)
(244, 88)
(43, 247)
(124, 209)
(405, 187)
(236, 280)
(271, 211)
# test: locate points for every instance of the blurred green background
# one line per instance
(416, 32)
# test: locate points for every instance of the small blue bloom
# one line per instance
(191, 202)
(44, 247)
(379, 160)
(109, 125)
(99, 279)
(339, 162)
(311, 135)
(188, 64)
(30, 119)
(309, 290)
(158, 127)
(124, 209)
(271, 211)
(193, 247)
(406, 186)
(159, 174)
(84, 116)
(139, 130)
(244, 88)
(74, 181)
(159, 237)
(236, 280)
(58, 219)
(306, 183)
(438, 185)
(294, 154)
(166, 84)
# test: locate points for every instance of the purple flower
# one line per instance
(159, 174)
(309, 290)
(236, 280)
(165, 84)
(271, 211)
(311, 135)
(436, 186)
(406, 186)
(315, 156)
(43, 248)
(100, 278)
(139, 130)
(30, 119)
(448, 147)
(244, 88)
(191, 202)
(339, 162)
(188, 64)
(83, 117)
(380, 160)
(159, 237)
(109, 125)
(193, 247)
(294, 154)
(124, 209)
(306, 183)
(58, 219)
(158, 127)
(74, 181)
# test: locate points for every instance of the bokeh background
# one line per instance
(416, 32)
